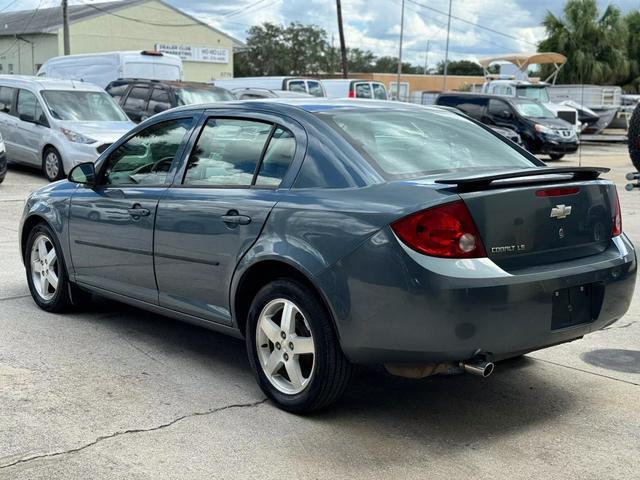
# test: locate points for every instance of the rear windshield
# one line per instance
(408, 144)
(192, 96)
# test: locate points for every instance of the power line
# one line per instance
(26, 26)
(138, 20)
(8, 5)
(497, 32)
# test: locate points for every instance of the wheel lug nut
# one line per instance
(278, 345)
(283, 335)
(286, 357)
(290, 345)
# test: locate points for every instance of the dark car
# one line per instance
(541, 132)
(254, 93)
(3, 160)
(509, 134)
(332, 233)
(141, 99)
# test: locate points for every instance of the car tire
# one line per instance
(52, 165)
(46, 271)
(556, 156)
(633, 138)
(320, 375)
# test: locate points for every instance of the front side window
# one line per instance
(227, 152)
(363, 90)
(78, 106)
(498, 109)
(146, 158)
(29, 106)
(315, 88)
(297, 86)
(379, 92)
(409, 144)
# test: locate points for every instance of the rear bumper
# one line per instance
(393, 305)
(557, 147)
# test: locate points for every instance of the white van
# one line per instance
(103, 68)
(354, 88)
(293, 84)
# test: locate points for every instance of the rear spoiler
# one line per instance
(479, 181)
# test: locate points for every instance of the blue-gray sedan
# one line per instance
(333, 233)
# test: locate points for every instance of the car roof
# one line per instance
(313, 104)
(47, 83)
(506, 98)
(171, 83)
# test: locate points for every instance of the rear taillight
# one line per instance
(557, 192)
(616, 229)
(352, 94)
(444, 231)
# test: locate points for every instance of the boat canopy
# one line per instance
(524, 60)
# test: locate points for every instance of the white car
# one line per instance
(354, 88)
(56, 124)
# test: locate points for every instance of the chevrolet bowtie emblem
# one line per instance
(561, 211)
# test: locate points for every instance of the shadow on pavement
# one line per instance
(620, 360)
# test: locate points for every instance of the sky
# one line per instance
(505, 26)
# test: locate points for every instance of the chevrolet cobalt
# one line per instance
(329, 233)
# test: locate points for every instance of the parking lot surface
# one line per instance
(114, 392)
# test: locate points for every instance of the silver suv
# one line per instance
(56, 124)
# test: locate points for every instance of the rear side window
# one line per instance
(137, 99)
(277, 158)
(6, 98)
(159, 100)
(315, 88)
(227, 152)
(408, 144)
(297, 86)
(117, 91)
(472, 106)
(363, 90)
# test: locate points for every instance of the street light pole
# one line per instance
(426, 58)
(343, 46)
(446, 52)
(65, 27)
(400, 53)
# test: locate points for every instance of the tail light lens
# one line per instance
(617, 219)
(445, 231)
(352, 94)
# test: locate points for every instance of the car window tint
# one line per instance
(472, 106)
(117, 91)
(379, 91)
(6, 98)
(227, 152)
(497, 108)
(159, 97)
(146, 158)
(297, 86)
(277, 158)
(28, 104)
(315, 88)
(137, 99)
(363, 90)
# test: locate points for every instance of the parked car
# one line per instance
(253, 93)
(141, 99)
(103, 68)
(55, 124)
(541, 131)
(311, 86)
(508, 133)
(354, 88)
(3, 160)
(329, 233)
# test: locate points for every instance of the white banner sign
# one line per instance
(190, 53)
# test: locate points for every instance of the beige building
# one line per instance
(30, 37)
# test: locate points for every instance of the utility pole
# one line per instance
(400, 52)
(343, 46)
(65, 27)
(446, 52)
(426, 58)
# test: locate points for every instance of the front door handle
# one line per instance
(138, 211)
(234, 218)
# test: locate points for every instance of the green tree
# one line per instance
(460, 67)
(390, 65)
(594, 43)
(632, 22)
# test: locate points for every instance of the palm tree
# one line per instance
(594, 44)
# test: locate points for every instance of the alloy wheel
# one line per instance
(44, 267)
(285, 345)
(52, 165)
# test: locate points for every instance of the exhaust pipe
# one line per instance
(478, 367)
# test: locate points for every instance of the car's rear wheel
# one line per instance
(556, 156)
(52, 165)
(293, 349)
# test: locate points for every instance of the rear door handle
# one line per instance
(234, 218)
(138, 211)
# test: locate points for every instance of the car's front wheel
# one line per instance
(293, 348)
(556, 156)
(52, 165)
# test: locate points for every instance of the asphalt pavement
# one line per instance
(117, 393)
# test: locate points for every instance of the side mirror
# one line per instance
(160, 108)
(83, 173)
(27, 117)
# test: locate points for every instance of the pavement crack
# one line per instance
(16, 297)
(132, 431)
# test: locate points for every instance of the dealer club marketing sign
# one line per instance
(195, 54)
